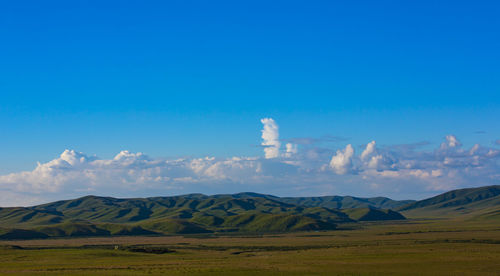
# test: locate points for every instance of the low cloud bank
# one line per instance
(400, 171)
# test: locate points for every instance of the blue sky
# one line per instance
(192, 79)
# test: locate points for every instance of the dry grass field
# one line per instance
(438, 247)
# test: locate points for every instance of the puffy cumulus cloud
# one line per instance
(132, 157)
(270, 138)
(370, 149)
(291, 149)
(376, 162)
(448, 167)
(341, 163)
(371, 158)
(451, 142)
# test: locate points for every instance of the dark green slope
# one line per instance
(346, 202)
(173, 226)
(27, 215)
(372, 214)
(21, 234)
(258, 222)
(470, 203)
(333, 202)
(456, 197)
(82, 229)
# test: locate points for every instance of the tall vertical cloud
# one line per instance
(270, 138)
(370, 148)
(341, 163)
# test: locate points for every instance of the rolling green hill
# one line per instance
(187, 214)
(470, 203)
(346, 202)
(332, 202)
(372, 214)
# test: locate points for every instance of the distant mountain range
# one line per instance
(242, 213)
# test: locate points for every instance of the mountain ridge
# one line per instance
(246, 212)
(193, 213)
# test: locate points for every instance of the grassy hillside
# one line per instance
(372, 214)
(258, 223)
(346, 202)
(471, 203)
(21, 215)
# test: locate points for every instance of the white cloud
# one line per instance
(370, 148)
(372, 160)
(126, 155)
(474, 149)
(436, 173)
(451, 142)
(493, 153)
(375, 162)
(341, 163)
(270, 137)
(291, 149)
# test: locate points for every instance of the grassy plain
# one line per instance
(414, 247)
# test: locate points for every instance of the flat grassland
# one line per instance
(425, 247)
